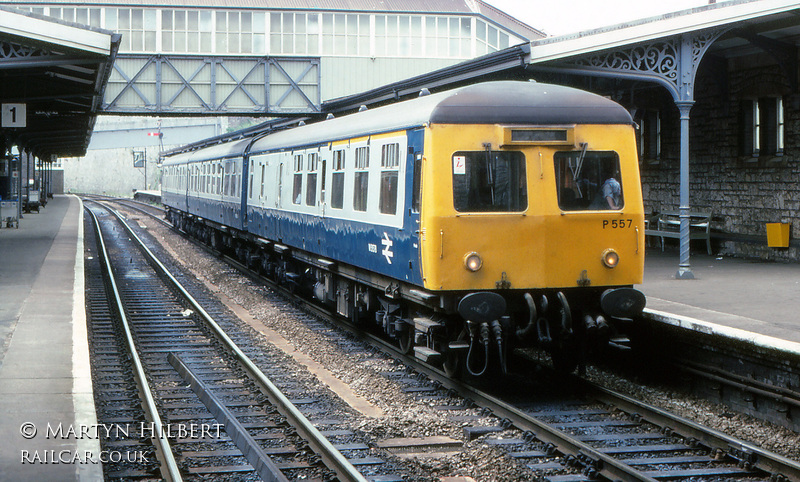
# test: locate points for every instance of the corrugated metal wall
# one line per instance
(345, 76)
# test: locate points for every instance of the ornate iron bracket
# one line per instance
(670, 62)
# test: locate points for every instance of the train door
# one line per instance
(416, 139)
(279, 195)
(246, 181)
(322, 200)
(185, 187)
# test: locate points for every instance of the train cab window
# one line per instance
(390, 165)
(297, 187)
(588, 181)
(337, 180)
(489, 181)
(361, 184)
(311, 179)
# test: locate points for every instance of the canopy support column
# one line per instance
(684, 266)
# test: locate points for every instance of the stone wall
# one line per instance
(111, 172)
(744, 193)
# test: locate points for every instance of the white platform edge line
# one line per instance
(82, 388)
(694, 324)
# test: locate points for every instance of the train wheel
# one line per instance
(453, 364)
(405, 340)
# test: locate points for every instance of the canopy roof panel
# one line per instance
(58, 71)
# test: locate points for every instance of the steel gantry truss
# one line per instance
(210, 85)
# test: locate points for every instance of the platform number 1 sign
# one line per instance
(13, 115)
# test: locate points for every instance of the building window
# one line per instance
(361, 185)
(345, 34)
(397, 35)
(84, 16)
(763, 127)
(337, 181)
(294, 33)
(137, 26)
(448, 37)
(186, 31)
(241, 32)
(650, 135)
(491, 39)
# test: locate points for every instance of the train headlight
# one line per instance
(610, 258)
(473, 261)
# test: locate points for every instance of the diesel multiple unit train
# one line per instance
(463, 224)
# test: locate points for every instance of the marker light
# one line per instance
(610, 258)
(473, 261)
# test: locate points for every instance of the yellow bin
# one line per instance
(778, 235)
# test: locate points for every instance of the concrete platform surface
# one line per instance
(45, 379)
(756, 301)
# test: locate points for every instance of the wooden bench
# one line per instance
(667, 224)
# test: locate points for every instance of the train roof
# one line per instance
(501, 102)
(218, 151)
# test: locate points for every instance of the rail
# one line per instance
(601, 464)
(330, 456)
(169, 466)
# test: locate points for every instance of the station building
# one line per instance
(720, 82)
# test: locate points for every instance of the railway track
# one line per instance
(585, 432)
(208, 409)
(567, 430)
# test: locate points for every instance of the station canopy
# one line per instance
(52, 79)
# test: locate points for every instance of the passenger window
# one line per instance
(390, 165)
(337, 181)
(263, 167)
(489, 181)
(298, 179)
(311, 180)
(280, 185)
(588, 181)
(236, 180)
(226, 179)
(250, 191)
(361, 185)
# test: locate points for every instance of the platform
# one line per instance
(750, 300)
(45, 376)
